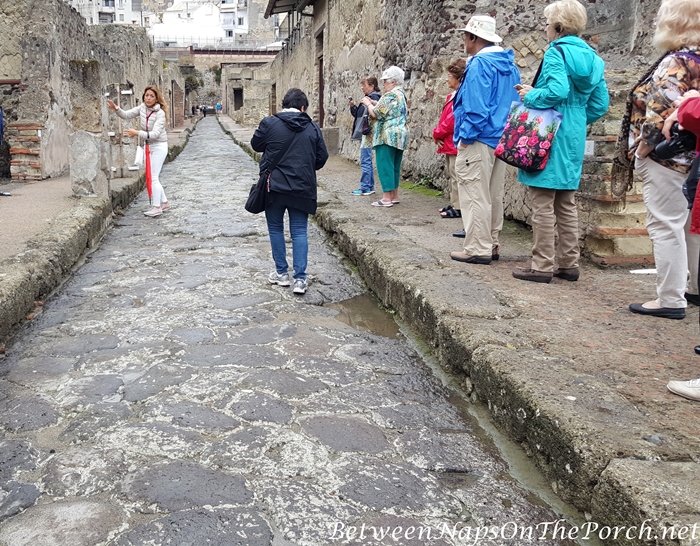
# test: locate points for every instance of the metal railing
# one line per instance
(208, 42)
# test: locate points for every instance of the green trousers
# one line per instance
(388, 160)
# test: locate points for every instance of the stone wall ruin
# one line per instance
(55, 73)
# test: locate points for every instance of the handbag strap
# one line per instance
(539, 70)
(687, 55)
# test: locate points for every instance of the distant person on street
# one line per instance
(151, 114)
(443, 136)
(370, 88)
(218, 107)
(194, 110)
(571, 82)
(390, 136)
(481, 109)
(204, 111)
(677, 34)
(292, 182)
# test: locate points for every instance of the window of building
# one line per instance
(241, 21)
(229, 34)
(108, 3)
(121, 17)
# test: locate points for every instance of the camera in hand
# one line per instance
(681, 141)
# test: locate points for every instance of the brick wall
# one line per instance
(25, 150)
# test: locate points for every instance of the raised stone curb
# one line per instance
(49, 257)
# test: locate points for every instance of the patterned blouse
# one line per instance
(653, 103)
(391, 127)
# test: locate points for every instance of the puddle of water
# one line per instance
(364, 313)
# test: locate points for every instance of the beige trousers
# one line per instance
(454, 191)
(480, 184)
(554, 211)
(675, 250)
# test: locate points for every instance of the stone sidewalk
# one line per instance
(564, 369)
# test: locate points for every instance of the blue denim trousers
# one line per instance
(298, 222)
(367, 179)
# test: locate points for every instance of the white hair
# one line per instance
(395, 74)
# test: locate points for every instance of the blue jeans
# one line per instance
(367, 180)
(298, 221)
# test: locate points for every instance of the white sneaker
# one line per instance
(687, 389)
(279, 279)
(153, 212)
(165, 206)
(300, 286)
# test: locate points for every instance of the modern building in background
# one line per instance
(214, 23)
(104, 12)
(185, 23)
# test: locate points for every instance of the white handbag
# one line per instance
(140, 159)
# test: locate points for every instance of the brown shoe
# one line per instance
(567, 273)
(466, 258)
(532, 275)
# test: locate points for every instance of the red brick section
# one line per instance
(25, 150)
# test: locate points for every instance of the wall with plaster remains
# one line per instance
(60, 84)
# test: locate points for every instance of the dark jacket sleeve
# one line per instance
(259, 140)
(321, 151)
(353, 110)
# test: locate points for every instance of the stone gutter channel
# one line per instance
(585, 451)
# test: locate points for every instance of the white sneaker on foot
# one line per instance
(165, 206)
(153, 212)
(279, 279)
(300, 286)
(687, 389)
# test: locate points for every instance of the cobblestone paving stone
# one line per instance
(168, 395)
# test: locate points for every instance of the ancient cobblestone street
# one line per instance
(169, 395)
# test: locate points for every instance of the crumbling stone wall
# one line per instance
(59, 86)
(254, 85)
(361, 37)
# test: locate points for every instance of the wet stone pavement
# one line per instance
(168, 394)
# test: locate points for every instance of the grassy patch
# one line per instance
(423, 187)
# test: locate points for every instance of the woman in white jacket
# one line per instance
(151, 114)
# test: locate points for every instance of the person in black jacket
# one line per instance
(292, 182)
(370, 87)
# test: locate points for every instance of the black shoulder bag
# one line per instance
(259, 193)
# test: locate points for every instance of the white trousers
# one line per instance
(668, 222)
(159, 151)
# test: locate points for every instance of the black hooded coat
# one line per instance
(293, 181)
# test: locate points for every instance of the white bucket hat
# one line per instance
(484, 27)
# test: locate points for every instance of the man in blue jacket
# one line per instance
(481, 109)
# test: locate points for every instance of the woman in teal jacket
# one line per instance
(572, 83)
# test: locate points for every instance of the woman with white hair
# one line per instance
(572, 82)
(677, 34)
(390, 137)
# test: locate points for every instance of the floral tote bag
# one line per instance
(527, 139)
